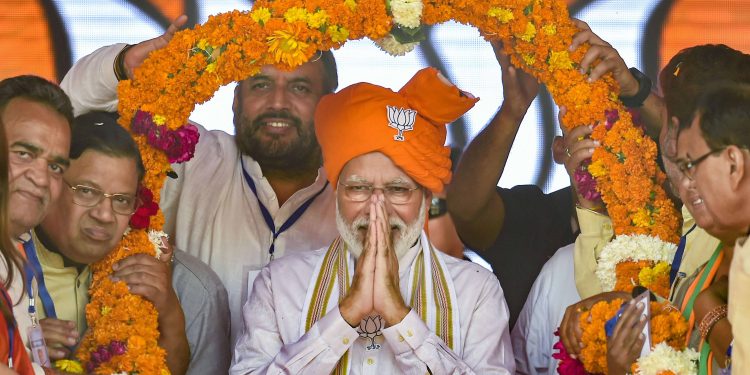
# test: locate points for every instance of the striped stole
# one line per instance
(431, 294)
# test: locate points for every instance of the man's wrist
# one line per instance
(644, 90)
(120, 69)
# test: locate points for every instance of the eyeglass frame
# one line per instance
(372, 189)
(687, 167)
(137, 200)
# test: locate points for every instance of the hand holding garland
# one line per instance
(600, 59)
(570, 330)
(133, 56)
(476, 208)
(151, 278)
(625, 344)
(59, 336)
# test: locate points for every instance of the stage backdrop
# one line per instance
(45, 37)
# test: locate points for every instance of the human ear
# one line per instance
(738, 162)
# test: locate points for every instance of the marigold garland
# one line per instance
(667, 327)
(234, 45)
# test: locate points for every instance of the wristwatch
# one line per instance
(644, 89)
(438, 207)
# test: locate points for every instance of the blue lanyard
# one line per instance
(678, 256)
(33, 269)
(11, 327)
(267, 215)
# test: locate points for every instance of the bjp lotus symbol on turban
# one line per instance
(401, 119)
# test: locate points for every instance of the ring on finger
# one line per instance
(567, 152)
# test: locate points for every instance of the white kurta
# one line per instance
(533, 336)
(272, 342)
(210, 210)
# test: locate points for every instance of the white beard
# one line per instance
(408, 234)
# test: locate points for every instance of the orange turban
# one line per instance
(408, 126)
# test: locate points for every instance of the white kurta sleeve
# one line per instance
(260, 349)
(91, 83)
(486, 346)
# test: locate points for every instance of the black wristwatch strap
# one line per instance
(644, 89)
(438, 207)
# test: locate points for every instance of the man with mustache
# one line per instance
(36, 115)
(379, 299)
(244, 199)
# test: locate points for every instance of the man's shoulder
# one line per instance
(461, 267)
(190, 272)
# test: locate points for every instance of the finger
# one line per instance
(611, 62)
(58, 352)
(176, 25)
(594, 53)
(136, 260)
(167, 250)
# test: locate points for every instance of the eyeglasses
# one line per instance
(687, 167)
(87, 196)
(396, 194)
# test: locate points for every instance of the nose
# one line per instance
(38, 172)
(279, 98)
(103, 211)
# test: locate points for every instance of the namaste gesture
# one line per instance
(375, 286)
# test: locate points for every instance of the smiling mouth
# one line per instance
(278, 124)
(697, 201)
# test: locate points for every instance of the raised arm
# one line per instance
(91, 83)
(473, 202)
(601, 59)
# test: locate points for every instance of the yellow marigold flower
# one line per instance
(529, 33)
(529, 59)
(159, 120)
(106, 310)
(202, 44)
(649, 275)
(211, 67)
(285, 48)
(550, 29)
(338, 34)
(502, 14)
(641, 218)
(351, 4)
(317, 19)
(597, 169)
(261, 15)
(68, 365)
(559, 60)
(295, 14)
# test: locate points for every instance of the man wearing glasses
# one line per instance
(713, 154)
(380, 299)
(98, 199)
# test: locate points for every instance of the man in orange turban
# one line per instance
(381, 298)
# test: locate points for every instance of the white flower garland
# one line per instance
(630, 248)
(156, 240)
(408, 14)
(664, 358)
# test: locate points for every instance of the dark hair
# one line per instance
(38, 90)
(691, 70)
(331, 75)
(8, 251)
(724, 112)
(99, 131)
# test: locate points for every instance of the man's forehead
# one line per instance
(311, 71)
